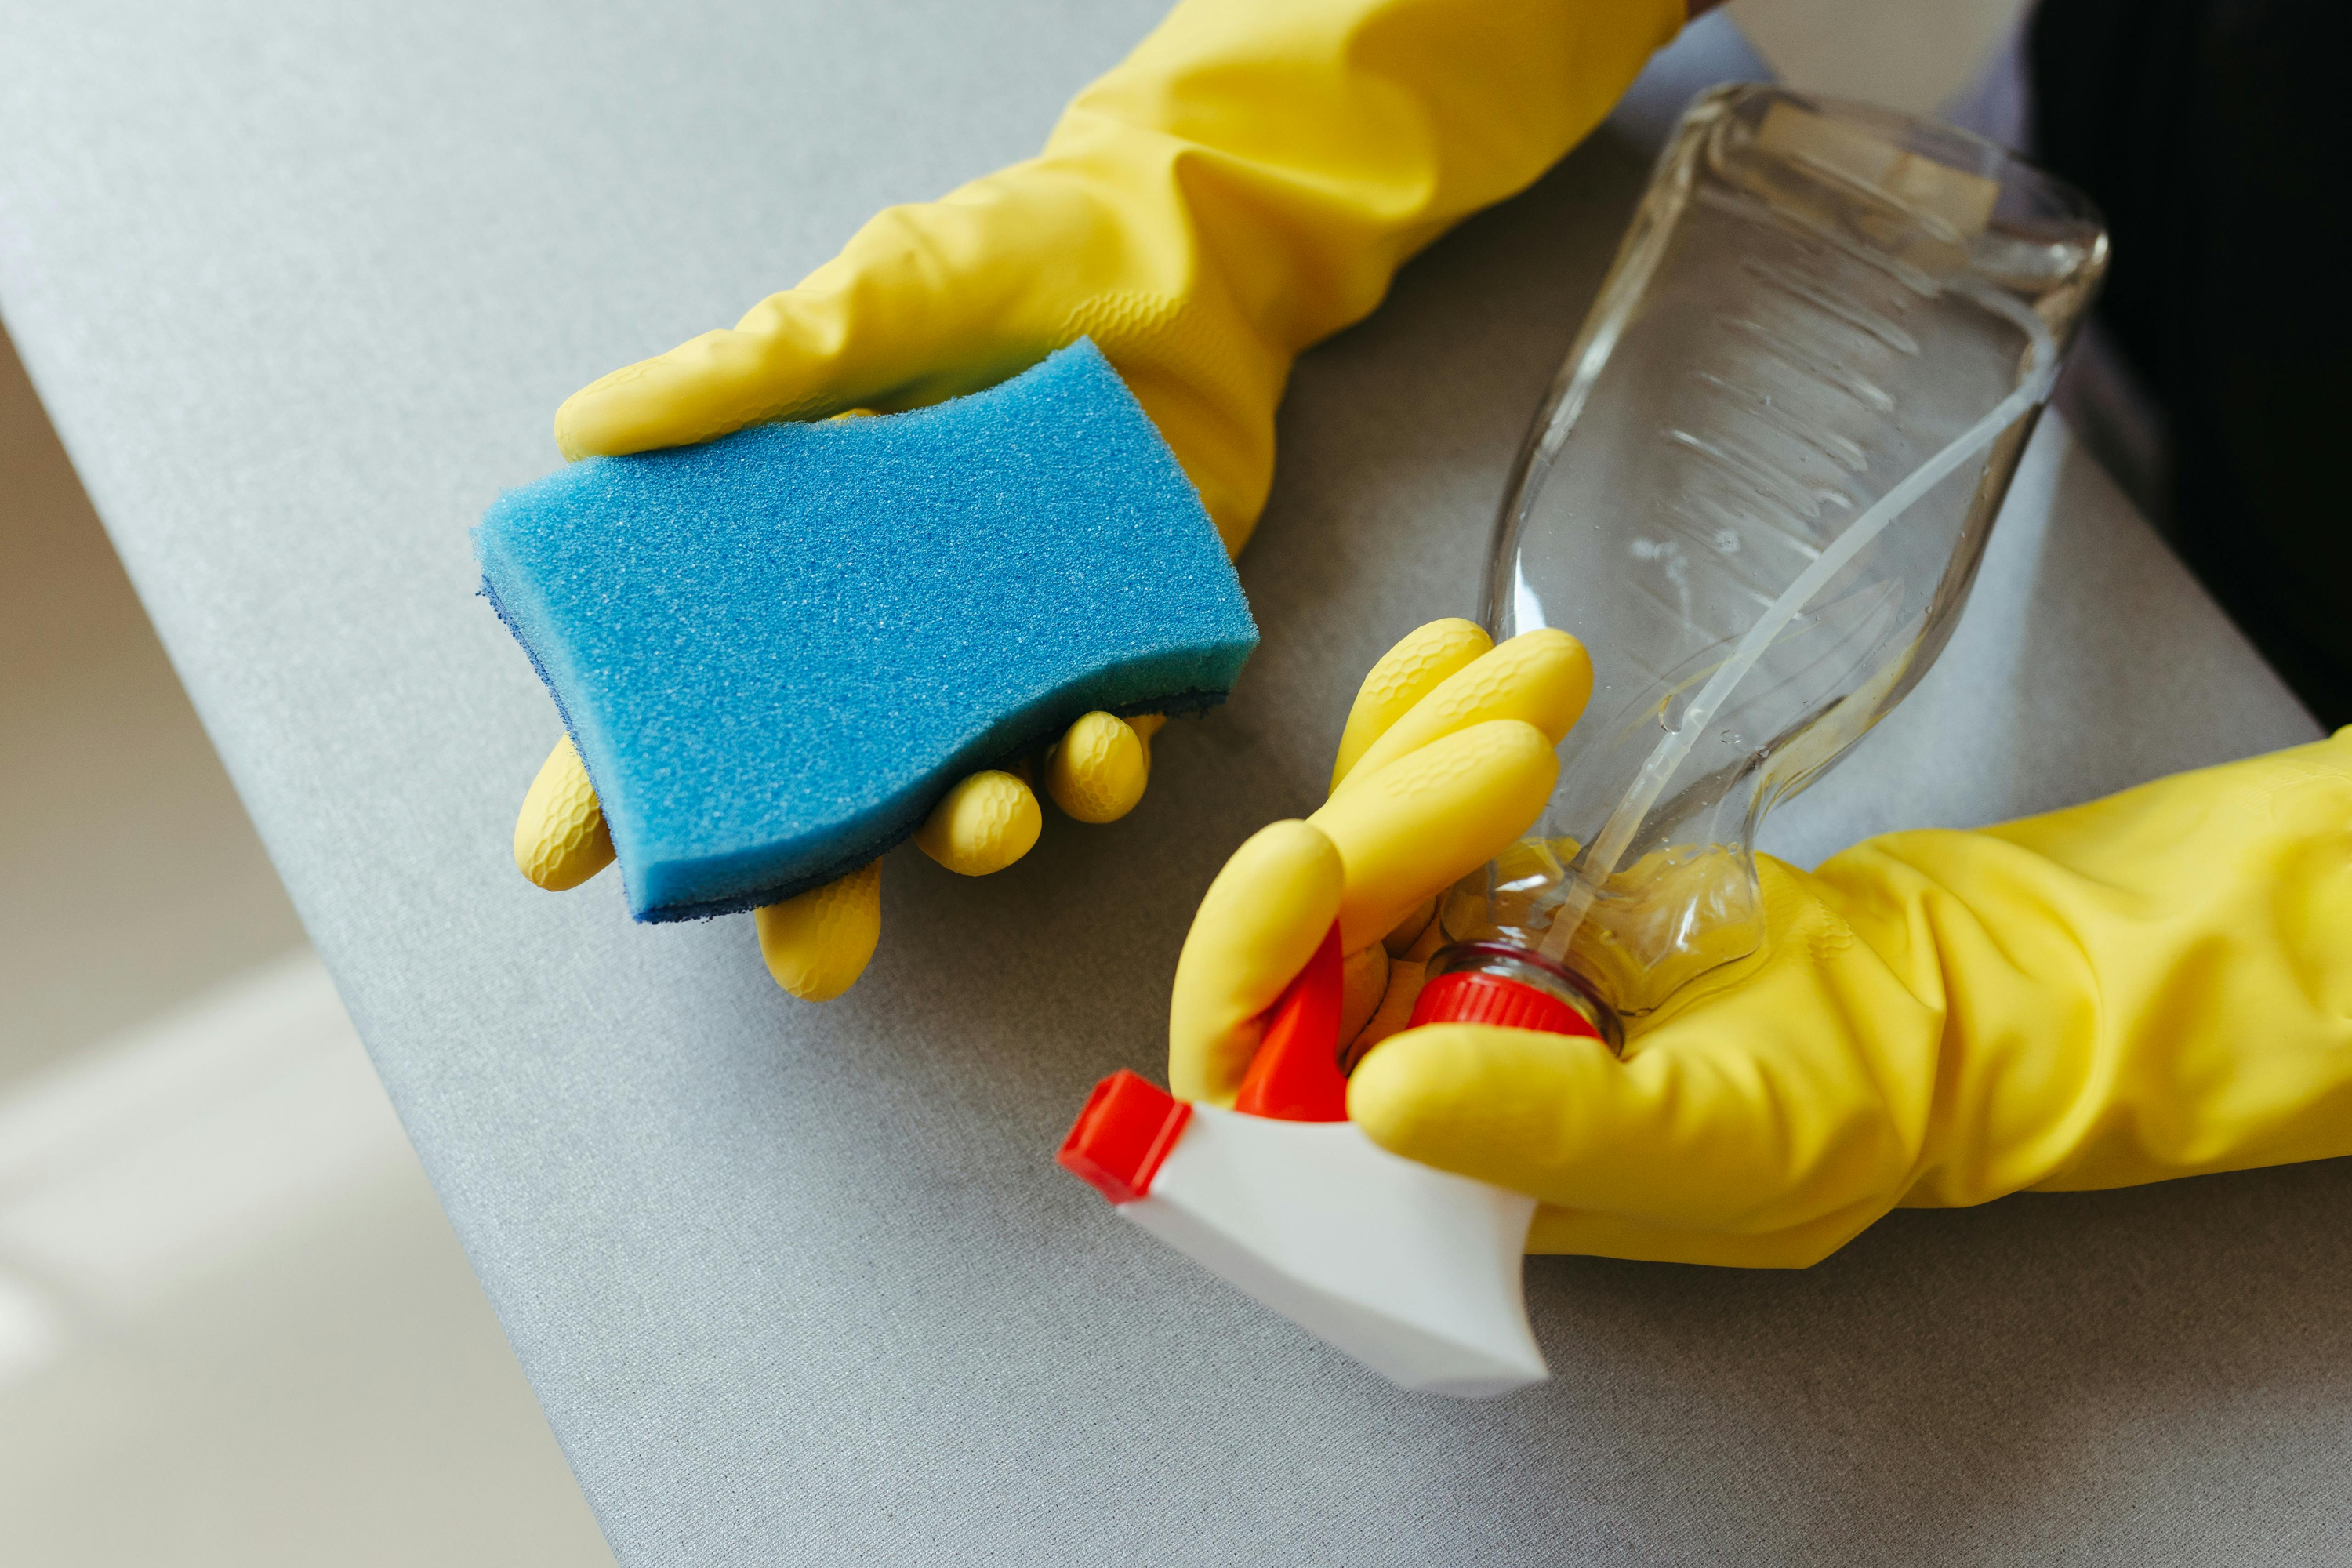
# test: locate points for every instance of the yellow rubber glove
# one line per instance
(1245, 184)
(1446, 760)
(2156, 984)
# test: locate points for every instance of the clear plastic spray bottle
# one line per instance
(1757, 492)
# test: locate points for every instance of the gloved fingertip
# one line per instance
(1559, 674)
(1421, 822)
(987, 822)
(1261, 919)
(1098, 772)
(569, 442)
(1410, 1092)
(1542, 678)
(1402, 677)
(816, 946)
(1394, 1014)
(705, 387)
(1424, 946)
(590, 423)
(1501, 1105)
(1363, 981)
(561, 837)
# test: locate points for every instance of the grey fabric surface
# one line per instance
(301, 288)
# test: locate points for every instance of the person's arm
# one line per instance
(2155, 984)
(1244, 184)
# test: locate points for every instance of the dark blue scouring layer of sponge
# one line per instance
(777, 651)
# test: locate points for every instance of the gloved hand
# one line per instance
(1446, 760)
(2155, 984)
(1243, 184)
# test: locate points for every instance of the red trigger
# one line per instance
(1295, 1077)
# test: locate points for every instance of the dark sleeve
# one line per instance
(2216, 134)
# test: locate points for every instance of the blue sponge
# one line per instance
(777, 651)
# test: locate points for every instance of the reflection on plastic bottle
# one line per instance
(1758, 491)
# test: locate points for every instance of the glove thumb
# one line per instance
(1709, 1132)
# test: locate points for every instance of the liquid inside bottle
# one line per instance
(1758, 492)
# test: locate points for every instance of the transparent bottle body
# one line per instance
(1757, 492)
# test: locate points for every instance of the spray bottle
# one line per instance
(1758, 492)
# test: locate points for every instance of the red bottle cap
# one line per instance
(1128, 1125)
(1468, 997)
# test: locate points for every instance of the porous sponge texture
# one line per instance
(777, 651)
